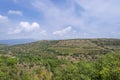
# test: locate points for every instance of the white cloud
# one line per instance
(29, 27)
(25, 27)
(96, 16)
(60, 17)
(15, 12)
(106, 10)
(63, 31)
(3, 19)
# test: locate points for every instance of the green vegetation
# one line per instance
(2, 46)
(78, 59)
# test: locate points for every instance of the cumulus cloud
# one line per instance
(15, 12)
(63, 31)
(29, 26)
(26, 27)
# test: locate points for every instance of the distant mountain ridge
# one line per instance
(16, 41)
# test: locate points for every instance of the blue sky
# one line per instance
(59, 19)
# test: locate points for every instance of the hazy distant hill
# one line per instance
(16, 41)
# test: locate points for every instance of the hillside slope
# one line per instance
(74, 59)
(87, 48)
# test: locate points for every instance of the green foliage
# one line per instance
(62, 60)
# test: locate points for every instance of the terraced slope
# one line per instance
(78, 48)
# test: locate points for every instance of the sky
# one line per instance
(59, 19)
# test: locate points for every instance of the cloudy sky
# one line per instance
(59, 19)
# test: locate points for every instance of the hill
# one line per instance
(73, 59)
(3, 45)
(87, 48)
